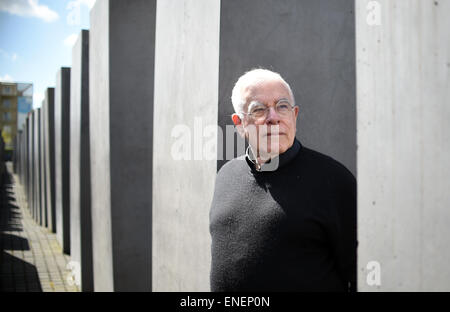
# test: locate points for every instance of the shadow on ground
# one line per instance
(15, 274)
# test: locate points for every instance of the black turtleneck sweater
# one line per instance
(292, 229)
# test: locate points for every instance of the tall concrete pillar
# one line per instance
(186, 72)
(31, 164)
(16, 152)
(310, 43)
(80, 178)
(37, 165)
(24, 154)
(62, 165)
(49, 154)
(27, 164)
(403, 70)
(19, 154)
(121, 58)
(43, 180)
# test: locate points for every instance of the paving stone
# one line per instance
(35, 260)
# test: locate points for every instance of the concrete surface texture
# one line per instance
(26, 151)
(19, 153)
(186, 90)
(49, 154)
(37, 165)
(121, 63)
(100, 157)
(312, 45)
(27, 157)
(62, 165)
(80, 183)
(22, 153)
(403, 62)
(43, 180)
(31, 163)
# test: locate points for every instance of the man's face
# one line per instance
(273, 129)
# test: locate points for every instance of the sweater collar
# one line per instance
(274, 163)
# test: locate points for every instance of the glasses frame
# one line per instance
(268, 109)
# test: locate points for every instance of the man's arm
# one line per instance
(344, 228)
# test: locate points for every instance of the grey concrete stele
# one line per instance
(26, 158)
(186, 88)
(43, 180)
(403, 65)
(49, 154)
(80, 179)
(31, 163)
(37, 165)
(121, 71)
(62, 165)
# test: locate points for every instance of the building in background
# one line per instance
(16, 100)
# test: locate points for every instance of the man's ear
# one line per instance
(296, 110)
(236, 119)
(238, 123)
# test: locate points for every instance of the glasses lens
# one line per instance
(283, 108)
(258, 112)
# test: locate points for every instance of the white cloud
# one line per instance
(70, 40)
(6, 78)
(14, 57)
(28, 8)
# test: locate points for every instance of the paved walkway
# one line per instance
(31, 258)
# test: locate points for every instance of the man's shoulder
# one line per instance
(230, 180)
(324, 163)
(233, 166)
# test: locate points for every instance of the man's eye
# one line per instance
(283, 106)
(258, 110)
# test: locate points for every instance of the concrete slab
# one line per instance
(80, 179)
(26, 156)
(121, 114)
(49, 154)
(31, 164)
(62, 150)
(186, 91)
(403, 62)
(37, 165)
(43, 180)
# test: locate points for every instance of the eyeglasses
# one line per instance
(261, 111)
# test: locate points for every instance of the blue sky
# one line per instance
(36, 39)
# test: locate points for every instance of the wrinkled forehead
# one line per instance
(265, 92)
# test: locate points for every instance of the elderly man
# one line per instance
(283, 217)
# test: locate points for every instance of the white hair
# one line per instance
(250, 78)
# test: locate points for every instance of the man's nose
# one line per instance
(272, 116)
